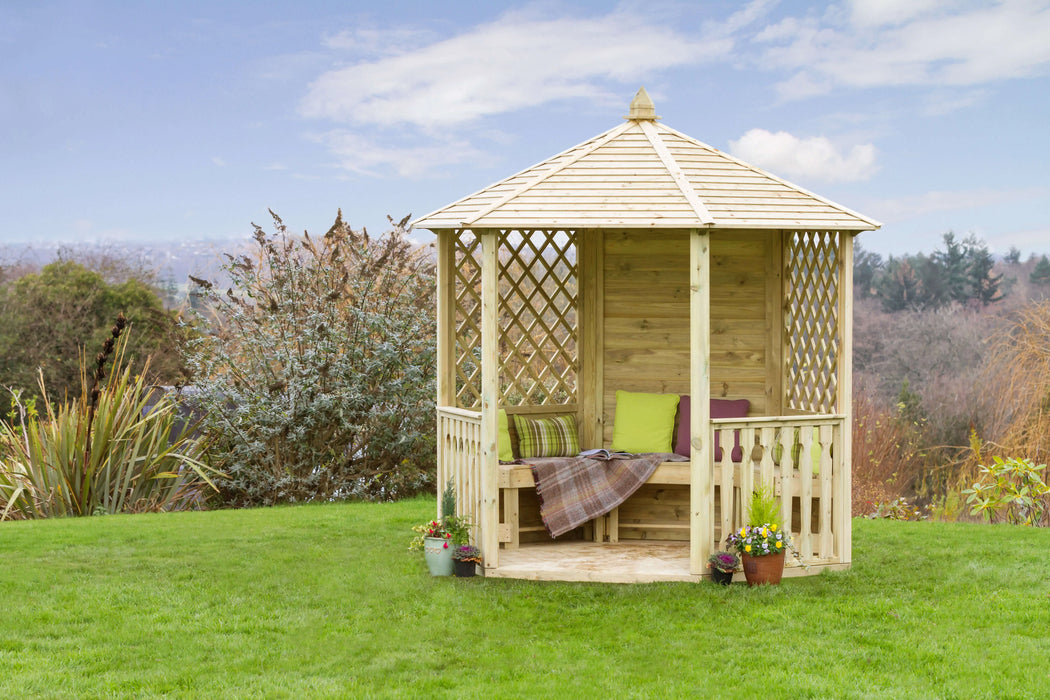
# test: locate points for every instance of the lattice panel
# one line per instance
(468, 320)
(538, 298)
(811, 321)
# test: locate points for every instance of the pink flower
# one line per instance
(446, 545)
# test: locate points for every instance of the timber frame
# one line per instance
(644, 260)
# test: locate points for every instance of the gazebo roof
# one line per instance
(643, 174)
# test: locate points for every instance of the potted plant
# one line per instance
(439, 538)
(465, 558)
(723, 565)
(762, 543)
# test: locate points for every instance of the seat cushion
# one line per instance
(720, 408)
(555, 436)
(643, 422)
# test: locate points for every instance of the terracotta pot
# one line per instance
(766, 569)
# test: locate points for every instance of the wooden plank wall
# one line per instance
(646, 329)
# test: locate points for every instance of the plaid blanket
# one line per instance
(573, 490)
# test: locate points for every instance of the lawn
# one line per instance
(326, 601)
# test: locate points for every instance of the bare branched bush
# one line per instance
(1017, 380)
(316, 367)
(888, 457)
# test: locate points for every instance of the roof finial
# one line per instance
(642, 106)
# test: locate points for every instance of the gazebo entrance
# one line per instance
(645, 261)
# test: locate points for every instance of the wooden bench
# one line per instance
(513, 477)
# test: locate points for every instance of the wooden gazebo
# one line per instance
(643, 260)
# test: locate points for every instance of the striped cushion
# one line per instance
(547, 437)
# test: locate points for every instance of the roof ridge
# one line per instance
(766, 173)
(676, 173)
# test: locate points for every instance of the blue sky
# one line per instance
(172, 121)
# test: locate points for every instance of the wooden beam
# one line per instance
(489, 515)
(844, 498)
(701, 492)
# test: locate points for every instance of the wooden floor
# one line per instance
(621, 562)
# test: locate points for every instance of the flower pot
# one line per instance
(766, 569)
(438, 553)
(464, 569)
(723, 577)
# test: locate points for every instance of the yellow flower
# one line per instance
(779, 545)
(765, 532)
(743, 532)
(774, 527)
(747, 548)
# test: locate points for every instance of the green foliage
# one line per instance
(48, 319)
(316, 368)
(764, 508)
(133, 461)
(1010, 491)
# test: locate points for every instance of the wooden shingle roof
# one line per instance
(643, 174)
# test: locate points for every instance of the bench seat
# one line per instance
(513, 477)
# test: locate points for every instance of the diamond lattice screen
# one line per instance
(538, 297)
(811, 321)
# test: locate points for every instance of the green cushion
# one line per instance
(547, 437)
(506, 450)
(796, 451)
(644, 422)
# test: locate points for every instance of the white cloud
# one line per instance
(901, 208)
(218, 162)
(909, 42)
(813, 159)
(360, 154)
(515, 62)
(877, 13)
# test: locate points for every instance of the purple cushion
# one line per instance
(720, 408)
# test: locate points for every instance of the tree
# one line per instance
(866, 266)
(899, 287)
(1041, 272)
(954, 266)
(48, 319)
(984, 286)
(316, 368)
(1013, 256)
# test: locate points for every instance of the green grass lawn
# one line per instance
(326, 601)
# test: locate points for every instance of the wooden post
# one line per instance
(489, 515)
(446, 347)
(587, 324)
(775, 324)
(446, 320)
(701, 492)
(844, 497)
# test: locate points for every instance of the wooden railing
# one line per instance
(798, 457)
(459, 459)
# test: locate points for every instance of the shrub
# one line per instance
(108, 451)
(1011, 491)
(316, 367)
(48, 318)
